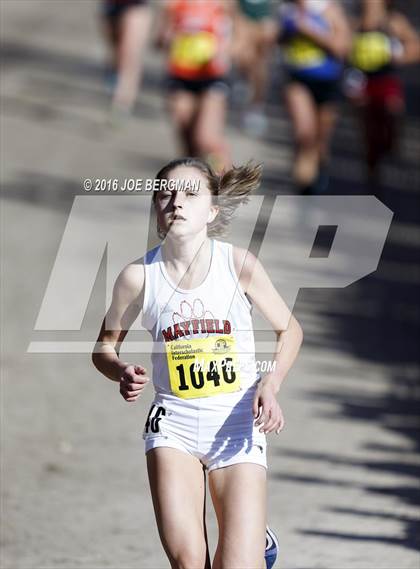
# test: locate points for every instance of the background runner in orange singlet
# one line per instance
(197, 37)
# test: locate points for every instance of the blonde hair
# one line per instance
(229, 189)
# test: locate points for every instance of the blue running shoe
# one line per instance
(271, 548)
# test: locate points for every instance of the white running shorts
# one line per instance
(218, 430)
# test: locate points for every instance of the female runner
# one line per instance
(253, 31)
(384, 41)
(127, 24)
(315, 37)
(211, 409)
(197, 36)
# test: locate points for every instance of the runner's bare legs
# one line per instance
(209, 134)
(177, 484)
(241, 521)
(303, 113)
(183, 107)
(133, 30)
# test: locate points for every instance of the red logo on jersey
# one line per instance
(194, 319)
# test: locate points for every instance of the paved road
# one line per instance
(343, 476)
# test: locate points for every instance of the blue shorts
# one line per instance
(323, 92)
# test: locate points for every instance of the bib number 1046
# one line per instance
(197, 377)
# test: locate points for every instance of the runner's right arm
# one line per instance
(127, 301)
(338, 39)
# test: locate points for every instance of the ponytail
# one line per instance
(234, 188)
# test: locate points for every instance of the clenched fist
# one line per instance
(132, 382)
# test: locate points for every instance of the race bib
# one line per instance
(203, 367)
(192, 51)
(371, 51)
(303, 53)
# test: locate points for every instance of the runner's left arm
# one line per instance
(409, 38)
(289, 335)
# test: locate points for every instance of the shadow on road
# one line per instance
(375, 320)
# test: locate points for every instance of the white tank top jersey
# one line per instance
(203, 340)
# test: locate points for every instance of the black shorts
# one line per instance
(113, 9)
(197, 86)
(323, 92)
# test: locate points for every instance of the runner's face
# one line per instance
(187, 211)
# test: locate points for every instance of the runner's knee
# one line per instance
(189, 557)
(306, 137)
(182, 118)
(207, 142)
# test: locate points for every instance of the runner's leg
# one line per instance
(260, 71)
(239, 497)
(177, 484)
(183, 109)
(303, 114)
(209, 129)
(242, 47)
(133, 30)
(327, 116)
(373, 117)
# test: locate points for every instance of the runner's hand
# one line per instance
(132, 382)
(266, 409)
